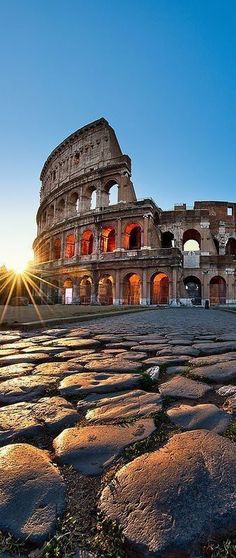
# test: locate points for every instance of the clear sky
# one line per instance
(163, 73)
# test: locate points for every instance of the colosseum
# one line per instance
(97, 244)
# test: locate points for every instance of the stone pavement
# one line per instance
(146, 403)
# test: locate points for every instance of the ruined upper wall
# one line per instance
(94, 146)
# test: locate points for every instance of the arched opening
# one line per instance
(191, 241)
(167, 240)
(87, 243)
(68, 292)
(132, 239)
(193, 289)
(216, 242)
(57, 249)
(73, 204)
(111, 189)
(61, 209)
(85, 290)
(217, 290)
(132, 289)
(70, 246)
(160, 289)
(108, 239)
(93, 200)
(231, 247)
(105, 290)
(50, 214)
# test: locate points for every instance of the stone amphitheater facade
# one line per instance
(94, 248)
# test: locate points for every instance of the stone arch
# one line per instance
(108, 239)
(87, 240)
(85, 290)
(111, 190)
(132, 236)
(55, 292)
(68, 291)
(230, 249)
(159, 286)
(193, 289)
(73, 203)
(70, 246)
(132, 289)
(217, 290)
(43, 220)
(191, 240)
(167, 239)
(61, 204)
(105, 290)
(57, 249)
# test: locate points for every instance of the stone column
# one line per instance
(94, 287)
(173, 288)
(145, 231)
(118, 295)
(119, 237)
(143, 301)
(76, 241)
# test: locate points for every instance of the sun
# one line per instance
(19, 268)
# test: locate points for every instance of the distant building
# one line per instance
(94, 248)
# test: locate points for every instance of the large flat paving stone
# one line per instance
(34, 358)
(76, 343)
(113, 365)
(170, 501)
(25, 388)
(206, 416)
(28, 419)
(131, 355)
(86, 383)
(222, 372)
(91, 449)
(15, 370)
(135, 404)
(8, 338)
(180, 387)
(58, 369)
(212, 359)
(215, 348)
(165, 361)
(31, 493)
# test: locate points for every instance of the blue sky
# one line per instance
(162, 72)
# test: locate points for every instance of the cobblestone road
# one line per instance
(132, 416)
(196, 320)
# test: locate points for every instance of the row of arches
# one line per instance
(131, 290)
(107, 243)
(72, 204)
(191, 242)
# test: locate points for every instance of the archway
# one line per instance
(73, 204)
(159, 289)
(55, 292)
(191, 241)
(61, 209)
(68, 292)
(57, 249)
(105, 290)
(167, 240)
(111, 193)
(50, 215)
(193, 289)
(70, 246)
(132, 239)
(87, 243)
(132, 289)
(108, 239)
(85, 290)
(217, 290)
(231, 247)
